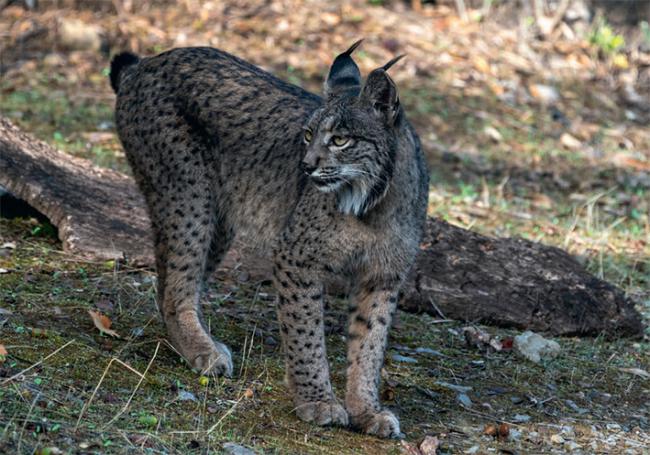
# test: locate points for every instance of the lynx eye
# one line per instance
(339, 141)
(308, 136)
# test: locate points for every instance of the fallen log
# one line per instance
(460, 274)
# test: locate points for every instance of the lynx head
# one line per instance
(351, 139)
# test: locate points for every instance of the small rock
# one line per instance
(570, 142)
(184, 395)
(534, 347)
(472, 449)
(557, 439)
(493, 133)
(235, 449)
(429, 446)
(403, 358)
(464, 400)
(105, 125)
(545, 94)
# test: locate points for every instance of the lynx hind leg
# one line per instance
(370, 320)
(186, 228)
(300, 312)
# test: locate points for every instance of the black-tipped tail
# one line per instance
(119, 62)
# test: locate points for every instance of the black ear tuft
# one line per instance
(394, 60)
(344, 76)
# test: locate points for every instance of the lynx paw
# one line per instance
(383, 424)
(216, 360)
(323, 412)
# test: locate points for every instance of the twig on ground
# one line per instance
(135, 389)
(226, 414)
(438, 310)
(6, 381)
(101, 379)
(22, 430)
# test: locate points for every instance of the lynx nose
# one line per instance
(310, 163)
(308, 168)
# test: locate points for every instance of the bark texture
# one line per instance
(459, 274)
(99, 212)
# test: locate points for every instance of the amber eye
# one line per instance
(339, 141)
(308, 136)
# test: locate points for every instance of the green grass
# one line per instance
(64, 119)
(49, 293)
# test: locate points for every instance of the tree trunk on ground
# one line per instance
(459, 274)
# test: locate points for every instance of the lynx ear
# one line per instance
(381, 93)
(344, 76)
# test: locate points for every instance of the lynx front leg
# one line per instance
(369, 323)
(300, 312)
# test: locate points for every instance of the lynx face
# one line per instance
(351, 139)
(350, 150)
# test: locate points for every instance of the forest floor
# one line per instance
(542, 139)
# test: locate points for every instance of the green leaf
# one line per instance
(148, 420)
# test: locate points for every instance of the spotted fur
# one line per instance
(333, 185)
